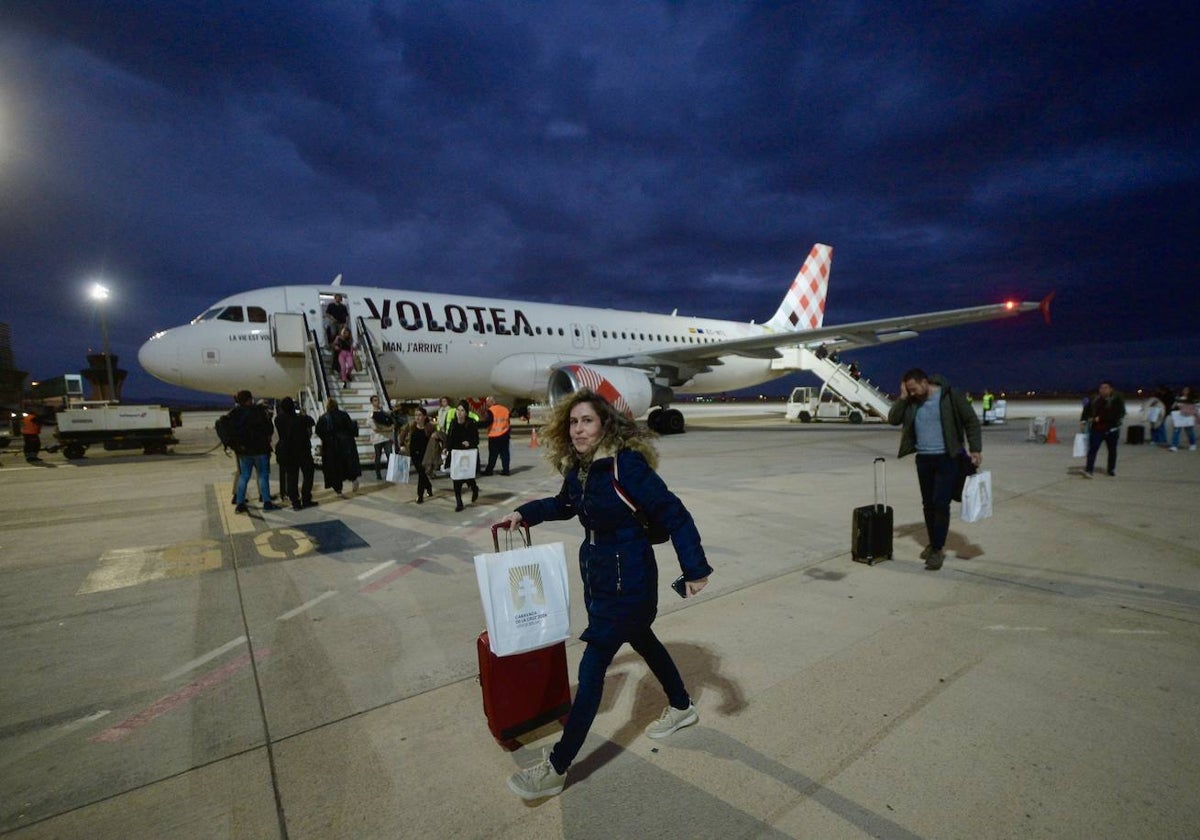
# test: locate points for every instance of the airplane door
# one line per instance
(593, 337)
(287, 334)
(577, 336)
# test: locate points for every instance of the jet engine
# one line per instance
(628, 389)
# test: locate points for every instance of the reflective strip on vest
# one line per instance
(500, 423)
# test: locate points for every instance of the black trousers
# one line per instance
(290, 472)
(498, 447)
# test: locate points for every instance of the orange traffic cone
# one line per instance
(533, 441)
(1052, 433)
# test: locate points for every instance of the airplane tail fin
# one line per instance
(803, 307)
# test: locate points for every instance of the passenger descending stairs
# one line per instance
(355, 400)
(858, 393)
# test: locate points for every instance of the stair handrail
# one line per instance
(367, 342)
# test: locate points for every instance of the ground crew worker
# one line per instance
(989, 403)
(31, 430)
(499, 437)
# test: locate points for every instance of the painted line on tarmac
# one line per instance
(1122, 632)
(232, 521)
(306, 605)
(376, 570)
(175, 699)
(1016, 629)
(204, 659)
(391, 576)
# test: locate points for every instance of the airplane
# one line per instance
(430, 343)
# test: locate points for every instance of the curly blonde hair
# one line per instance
(617, 432)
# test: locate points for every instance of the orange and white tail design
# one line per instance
(803, 307)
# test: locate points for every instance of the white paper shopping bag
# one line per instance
(526, 597)
(463, 463)
(977, 497)
(398, 468)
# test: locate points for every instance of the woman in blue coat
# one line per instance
(585, 439)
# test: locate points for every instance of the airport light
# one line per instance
(99, 293)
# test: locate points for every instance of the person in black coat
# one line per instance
(253, 431)
(463, 434)
(600, 451)
(294, 453)
(339, 447)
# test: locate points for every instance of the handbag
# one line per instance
(977, 497)
(526, 597)
(463, 463)
(398, 468)
(1180, 420)
(655, 532)
(1079, 447)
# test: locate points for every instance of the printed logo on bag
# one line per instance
(528, 594)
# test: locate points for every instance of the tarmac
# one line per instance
(174, 670)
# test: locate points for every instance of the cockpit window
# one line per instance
(208, 316)
(231, 313)
(256, 315)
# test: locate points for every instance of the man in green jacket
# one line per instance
(935, 420)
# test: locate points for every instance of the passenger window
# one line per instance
(538, 330)
(231, 313)
(256, 315)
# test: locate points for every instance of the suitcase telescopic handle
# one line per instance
(522, 531)
(880, 467)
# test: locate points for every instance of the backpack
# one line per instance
(230, 433)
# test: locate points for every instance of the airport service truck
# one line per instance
(808, 405)
(150, 428)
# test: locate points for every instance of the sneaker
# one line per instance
(1112, 473)
(1172, 448)
(926, 553)
(672, 719)
(1088, 474)
(936, 558)
(474, 494)
(270, 506)
(459, 509)
(538, 781)
(241, 509)
(310, 503)
(1192, 448)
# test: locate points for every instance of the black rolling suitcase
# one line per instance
(871, 525)
(1135, 434)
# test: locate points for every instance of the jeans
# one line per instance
(1109, 439)
(938, 476)
(383, 451)
(260, 464)
(1158, 434)
(1191, 433)
(596, 659)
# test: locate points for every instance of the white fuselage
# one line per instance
(435, 344)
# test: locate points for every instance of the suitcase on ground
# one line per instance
(871, 525)
(1135, 434)
(524, 691)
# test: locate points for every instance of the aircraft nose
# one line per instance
(159, 357)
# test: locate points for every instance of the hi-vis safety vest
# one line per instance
(30, 425)
(500, 423)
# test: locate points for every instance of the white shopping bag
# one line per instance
(463, 463)
(398, 468)
(977, 497)
(1079, 447)
(526, 598)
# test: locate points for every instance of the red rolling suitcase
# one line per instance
(523, 691)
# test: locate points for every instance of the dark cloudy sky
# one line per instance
(624, 154)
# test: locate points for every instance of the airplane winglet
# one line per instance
(1044, 306)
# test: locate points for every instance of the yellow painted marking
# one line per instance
(233, 523)
(192, 557)
(301, 543)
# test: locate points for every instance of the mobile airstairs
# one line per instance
(861, 398)
(322, 382)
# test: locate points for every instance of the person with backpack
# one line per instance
(247, 430)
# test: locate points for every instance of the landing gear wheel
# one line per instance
(672, 422)
(654, 420)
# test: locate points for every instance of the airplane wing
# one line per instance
(677, 365)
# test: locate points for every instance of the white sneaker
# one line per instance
(672, 720)
(1192, 448)
(1172, 448)
(538, 781)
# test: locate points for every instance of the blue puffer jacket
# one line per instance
(616, 560)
